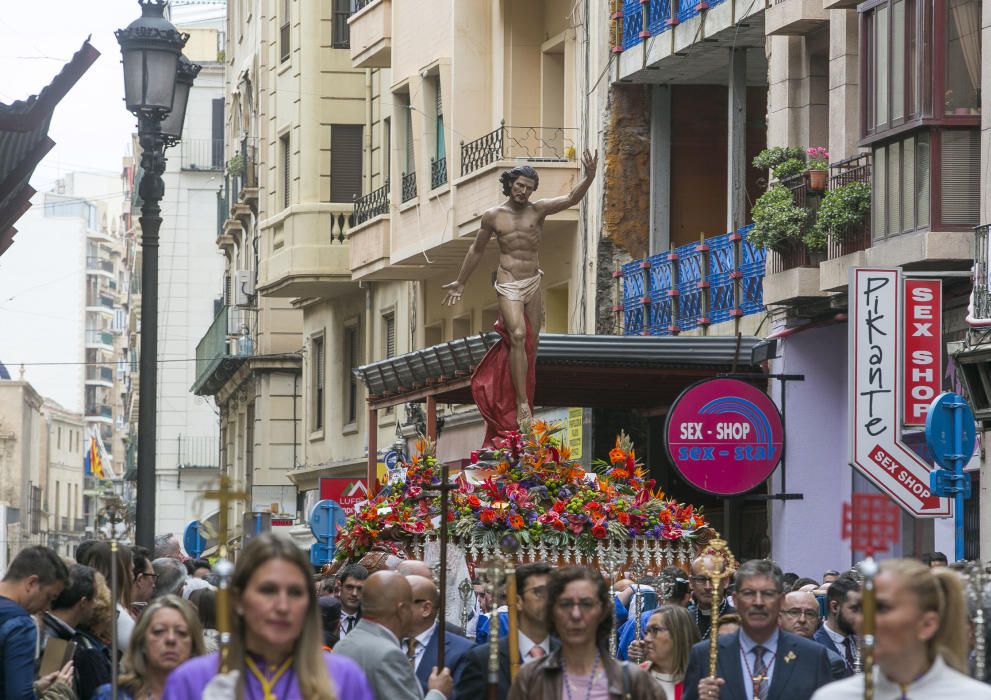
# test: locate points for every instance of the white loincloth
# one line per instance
(520, 290)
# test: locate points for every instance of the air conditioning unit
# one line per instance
(244, 288)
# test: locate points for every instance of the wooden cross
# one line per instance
(225, 496)
(444, 487)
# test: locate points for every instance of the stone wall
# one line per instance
(626, 169)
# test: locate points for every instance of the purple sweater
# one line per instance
(190, 678)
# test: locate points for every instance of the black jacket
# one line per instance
(91, 659)
(474, 681)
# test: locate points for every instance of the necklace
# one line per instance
(591, 680)
(756, 680)
(267, 684)
(708, 619)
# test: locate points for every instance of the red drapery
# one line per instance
(492, 385)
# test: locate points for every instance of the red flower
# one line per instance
(474, 457)
(450, 517)
(488, 516)
(413, 491)
(560, 506)
(516, 522)
(623, 518)
(671, 534)
(577, 527)
(473, 501)
(630, 462)
(616, 455)
(599, 531)
(665, 518)
(548, 518)
(593, 505)
(558, 525)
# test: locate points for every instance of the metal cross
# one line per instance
(225, 496)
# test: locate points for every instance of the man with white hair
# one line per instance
(800, 615)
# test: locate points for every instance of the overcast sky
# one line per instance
(91, 128)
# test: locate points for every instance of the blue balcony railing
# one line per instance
(642, 20)
(698, 284)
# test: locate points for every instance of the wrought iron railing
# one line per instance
(99, 264)
(787, 256)
(409, 186)
(531, 143)
(981, 301)
(373, 204)
(232, 333)
(638, 20)
(855, 238)
(202, 154)
(438, 172)
(698, 284)
(359, 5)
(197, 452)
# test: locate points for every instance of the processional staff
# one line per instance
(719, 563)
(224, 567)
(492, 584)
(868, 605)
(444, 487)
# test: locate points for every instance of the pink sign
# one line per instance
(923, 348)
(724, 436)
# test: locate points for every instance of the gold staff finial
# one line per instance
(719, 563)
(225, 496)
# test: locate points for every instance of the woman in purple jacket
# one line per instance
(276, 638)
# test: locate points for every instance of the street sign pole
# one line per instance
(951, 437)
(958, 460)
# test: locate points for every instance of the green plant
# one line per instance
(841, 208)
(789, 168)
(775, 158)
(235, 166)
(777, 219)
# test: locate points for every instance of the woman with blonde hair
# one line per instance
(276, 639)
(167, 634)
(668, 638)
(920, 648)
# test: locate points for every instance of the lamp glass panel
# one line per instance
(160, 76)
(172, 124)
(133, 78)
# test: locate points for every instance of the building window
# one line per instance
(901, 185)
(389, 335)
(345, 162)
(284, 31)
(342, 32)
(350, 382)
(58, 438)
(960, 178)
(286, 161)
(962, 47)
(318, 370)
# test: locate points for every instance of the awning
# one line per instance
(572, 370)
(24, 140)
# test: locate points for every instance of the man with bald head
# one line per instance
(415, 567)
(387, 617)
(701, 605)
(421, 642)
(800, 615)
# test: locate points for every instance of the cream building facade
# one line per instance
(22, 472)
(64, 442)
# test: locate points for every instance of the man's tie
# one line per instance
(760, 672)
(536, 652)
(348, 623)
(848, 648)
(411, 650)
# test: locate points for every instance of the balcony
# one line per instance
(99, 301)
(795, 17)
(306, 252)
(369, 239)
(95, 264)
(201, 154)
(980, 299)
(846, 248)
(371, 33)
(409, 186)
(198, 452)
(98, 411)
(100, 339)
(692, 287)
(224, 347)
(103, 376)
(653, 39)
(438, 173)
(792, 273)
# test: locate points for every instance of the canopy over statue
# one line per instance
(503, 383)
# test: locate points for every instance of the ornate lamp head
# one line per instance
(150, 47)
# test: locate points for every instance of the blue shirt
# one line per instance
(18, 634)
(748, 660)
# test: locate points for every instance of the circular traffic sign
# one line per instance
(193, 540)
(940, 429)
(724, 436)
(325, 519)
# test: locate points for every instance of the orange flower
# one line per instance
(488, 516)
(623, 518)
(617, 455)
(618, 473)
(516, 521)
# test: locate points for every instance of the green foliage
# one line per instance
(841, 208)
(235, 166)
(777, 219)
(789, 168)
(772, 158)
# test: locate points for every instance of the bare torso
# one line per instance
(518, 233)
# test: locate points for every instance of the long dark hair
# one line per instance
(509, 177)
(559, 581)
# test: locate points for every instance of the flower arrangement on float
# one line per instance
(528, 485)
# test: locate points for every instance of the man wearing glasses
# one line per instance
(701, 605)
(760, 661)
(801, 616)
(144, 579)
(534, 639)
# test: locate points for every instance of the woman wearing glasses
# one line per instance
(668, 639)
(580, 614)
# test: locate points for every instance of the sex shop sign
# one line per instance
(724, 436)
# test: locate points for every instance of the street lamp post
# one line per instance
(151, 51)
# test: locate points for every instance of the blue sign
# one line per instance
(946, 412)
(947, 484)
(193, 540)
(391, 459)
(325, 519)
(322, 553)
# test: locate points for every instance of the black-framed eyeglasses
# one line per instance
(153, 577)
(654, 630)
(799, 612)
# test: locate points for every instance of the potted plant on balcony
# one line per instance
(818, 167)
(778, 222)
(235, 166)
(782, 161)
(841, 209)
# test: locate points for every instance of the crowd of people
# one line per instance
(354, 635)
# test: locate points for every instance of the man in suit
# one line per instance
(352, 578)
(800, 615)
(421, 643)
(387, 609)
(842, 618)
(534, 639)
(759, 661)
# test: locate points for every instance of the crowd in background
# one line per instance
(356, 635)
